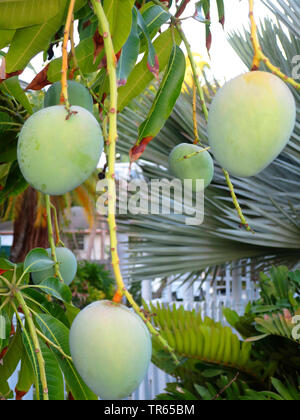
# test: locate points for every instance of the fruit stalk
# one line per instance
(36, 344)
(111, 144)
(51, 238)
(64, 77)
(260, 56)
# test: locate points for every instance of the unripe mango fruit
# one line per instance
(251, 120)
(57, 152)
(111, 349)
(67, 267)
(199, 166)
(78, 95)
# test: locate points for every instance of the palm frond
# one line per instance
(161, 246)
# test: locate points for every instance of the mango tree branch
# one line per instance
(64, 76)
(36, 344)
(260, 56)
(111, 144)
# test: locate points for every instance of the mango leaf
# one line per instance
(27, 42)
(26, 376)
(164, 102)
(153, 63)
(140, 77)
(12, 88)
(85, 58)
(119, 15)
(6, 35)
(55, 380)
(130, 53)
(58, 333)
(15, 14)
(154, 17)
(12, 357)
(55, 288)
(71, 312)
(37, 260)
(221, 12)
(15, 183)
(203, 15)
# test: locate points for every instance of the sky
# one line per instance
(224, 62)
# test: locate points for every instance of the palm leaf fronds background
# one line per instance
(163, 245)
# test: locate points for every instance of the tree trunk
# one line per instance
(30, 226)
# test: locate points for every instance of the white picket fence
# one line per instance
(233, 290)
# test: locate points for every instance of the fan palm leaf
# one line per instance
(161, 246)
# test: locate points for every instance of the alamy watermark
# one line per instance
(157, 197)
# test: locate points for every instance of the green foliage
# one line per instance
(260, 368)
(93, 282)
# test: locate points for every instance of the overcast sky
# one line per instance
(224, 62)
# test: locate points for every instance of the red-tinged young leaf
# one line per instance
(129, 54)
(153, 62)
(221, 12)
(20, 395)
(137, 151)
(40, 80)
(2, 272)
(164, 102)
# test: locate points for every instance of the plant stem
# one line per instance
(64, 77)
(112, 138)
(36, 344)
(195, 123)
(51, 238)
(53, 345)
(260, 56)
(58, 239)
(236, 203)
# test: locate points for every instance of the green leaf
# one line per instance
(6, 35)
(163, 104)
(166, 97)
(129, 54)
(58, 333)
(153, 63)
(71, 312)
(15, 183)
(37, 260)
(55, 380)
(140, 77)
(85, 58)
(26, 376)
(154, 17)
(13, 88)
(119, 11)
(15, 14)
(55, 288)
(12, 357)
(27, 42)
